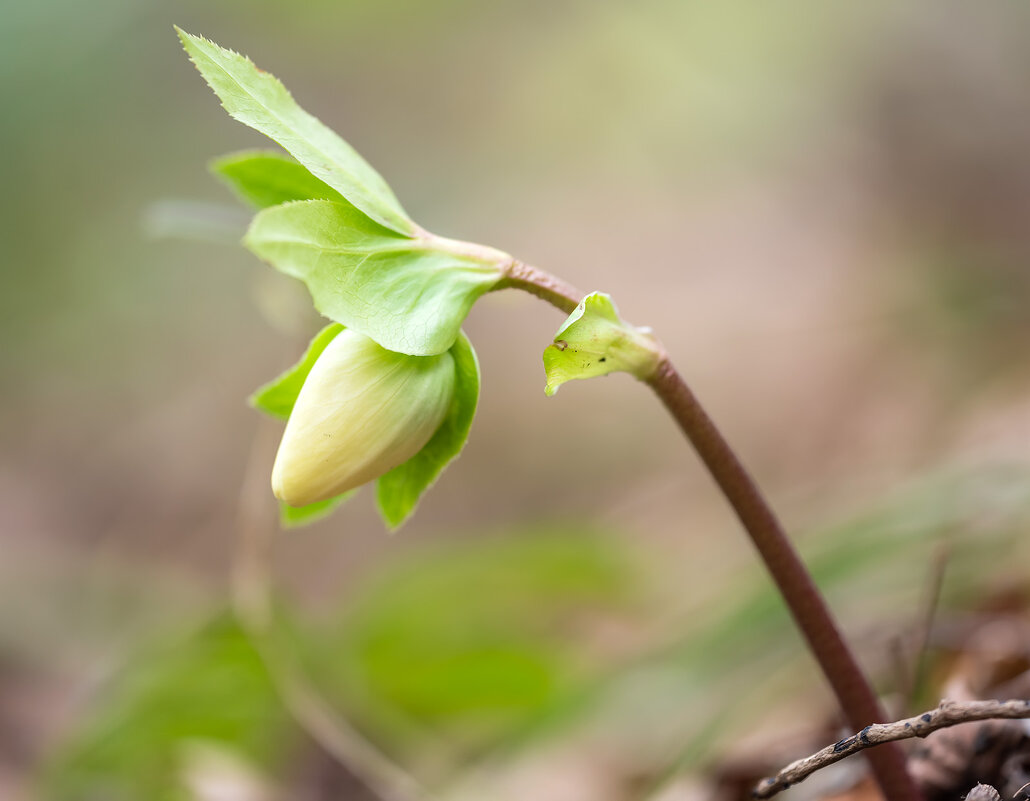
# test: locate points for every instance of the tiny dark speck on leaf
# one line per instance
(603, 359)
(561, 344)
(927, 717)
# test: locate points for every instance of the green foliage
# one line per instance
(278, 396)
(409, 658)
(404, 293)
(256, 98)
(464, 644)
(398, 492)
(595, 341)
(482, 644)
(263, 178)
(331, 221)
(210, 690)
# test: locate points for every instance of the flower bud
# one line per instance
(362, 411)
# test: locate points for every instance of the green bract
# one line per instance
(595, 341)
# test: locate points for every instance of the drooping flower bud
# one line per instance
(362, 411)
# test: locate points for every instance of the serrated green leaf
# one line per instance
(297, 516)
(256, 98)
(595, 341)
(409, 295)
(398, 492)
(263, 178)
(277, 397)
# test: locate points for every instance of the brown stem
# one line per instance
(807, 606)
(544, 285)
(809, 609)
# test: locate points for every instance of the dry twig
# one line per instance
(949, 713)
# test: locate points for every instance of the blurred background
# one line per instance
(822, 209)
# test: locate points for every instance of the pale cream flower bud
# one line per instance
(362, 411)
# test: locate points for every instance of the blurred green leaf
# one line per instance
(210, 688)
(263, 178)
(278, 396)
(398, 492)
(406, 294)
(595, 341)
(256, 98)
(461, 645)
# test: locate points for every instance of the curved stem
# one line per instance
(807, 606)
(545, 286)
(811, 614)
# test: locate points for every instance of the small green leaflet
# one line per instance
(407, 294)
(595, 341)
(256, 98)
(263, 178)
(398, 492)
(277, 397)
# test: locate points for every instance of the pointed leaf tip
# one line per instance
(258, 99)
